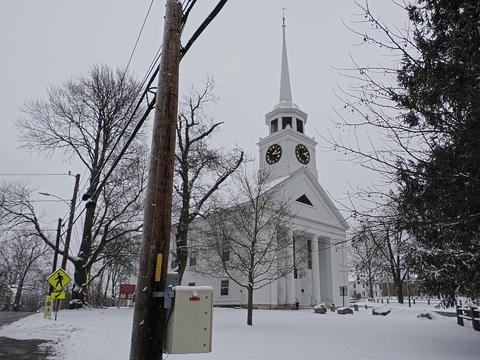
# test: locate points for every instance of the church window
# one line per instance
(224, 284)
(286, 121)
(300, 126)
(191, 284)
(193, 259)
(304, 200)
(226, 255)
(309, 254)
(274, 126)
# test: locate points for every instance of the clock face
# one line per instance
(302, 153)
(274, 153)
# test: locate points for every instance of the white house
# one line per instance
(358, 288)
(289, 154)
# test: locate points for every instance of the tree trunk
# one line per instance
(398, 287)
(105, 293)
(112, 290)
(400, 293)
(182, 246)
(370, 289)
(81, 268)
(80, 280)
(250, 305)
(18, 295)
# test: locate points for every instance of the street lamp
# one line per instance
(70, 219)
(55, 196)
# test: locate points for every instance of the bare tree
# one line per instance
(387, 245)
(200, 170)
(85, 119)
(118, 265)
(247, 240)
(366, 256)
(117, 220)
(21, 253)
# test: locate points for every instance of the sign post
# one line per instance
(57, 280)
(47, 313)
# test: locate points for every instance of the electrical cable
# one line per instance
(122, 152)
(155, 59)
(144, 95)
(152, 65)
(196, 34)
(150, 106)
(33, 174)
(139, 35)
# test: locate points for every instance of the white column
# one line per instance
(290, 280)
(281, 282)
(334, 270)
(315, 270)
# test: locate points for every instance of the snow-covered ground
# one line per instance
(105, 334)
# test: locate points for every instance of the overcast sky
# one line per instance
(50, 41)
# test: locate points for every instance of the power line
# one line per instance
(127, 125)
(34, 174)
(142, 83)
(151, 104)
(152, 73)
(139, 35)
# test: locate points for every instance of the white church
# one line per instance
(289, 155)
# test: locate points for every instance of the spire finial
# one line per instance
(283, 17)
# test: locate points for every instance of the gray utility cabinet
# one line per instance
(189, 327)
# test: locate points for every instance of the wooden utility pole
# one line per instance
(73, 203)
(57, 245)
(149, 316)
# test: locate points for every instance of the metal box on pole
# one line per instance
(189, 326)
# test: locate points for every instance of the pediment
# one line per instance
(310, 200)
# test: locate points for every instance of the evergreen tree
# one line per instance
(425, 106)
(440, 197)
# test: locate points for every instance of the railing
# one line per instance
(471, 314)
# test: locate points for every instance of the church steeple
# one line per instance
(286, 148)
(285, 89)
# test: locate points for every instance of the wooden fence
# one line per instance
(471, 314)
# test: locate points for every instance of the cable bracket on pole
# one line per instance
(168, 294)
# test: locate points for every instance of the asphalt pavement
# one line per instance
(11, 349)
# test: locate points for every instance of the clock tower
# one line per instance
(286, 148)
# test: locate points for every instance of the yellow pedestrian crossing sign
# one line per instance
(58, 295)
(59, 279)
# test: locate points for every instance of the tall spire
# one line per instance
(285, 90)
